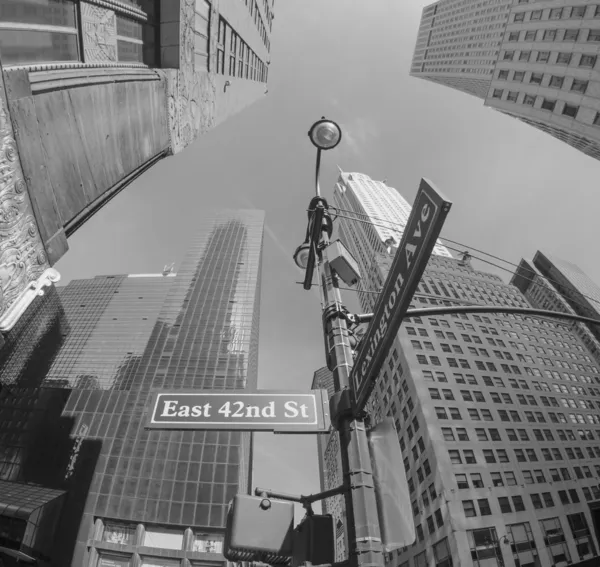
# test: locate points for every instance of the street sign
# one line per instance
(264, 410)
(422, 229)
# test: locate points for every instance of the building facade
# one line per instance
(94, 92)
(498, 418)
(546, 71)
(73, 440)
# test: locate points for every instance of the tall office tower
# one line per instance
(387, 210)
(498, 419)
(546, 72)
(458, 43)
(82, 483)
(551, 283)
(133, 81)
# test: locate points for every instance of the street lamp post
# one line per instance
(364, 538)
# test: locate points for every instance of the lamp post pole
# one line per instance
(362, 524)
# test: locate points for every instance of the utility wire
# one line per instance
(469, 248)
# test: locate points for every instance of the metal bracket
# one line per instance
(336, 310)
(306, 501)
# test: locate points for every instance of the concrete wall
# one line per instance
(79, 134)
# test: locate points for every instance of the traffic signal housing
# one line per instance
(259, 529)
(314, 541)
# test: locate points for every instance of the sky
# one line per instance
(514, 189)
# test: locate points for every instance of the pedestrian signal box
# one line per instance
(314, 541)
(259, 529)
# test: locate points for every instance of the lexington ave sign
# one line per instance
(420, 234)
(266, 410)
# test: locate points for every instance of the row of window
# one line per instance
(243, 62)
(593, 35)
(567, 109)
(522, 456)
(258, 21)
(514, 416)
(519, 435)
(576, 12)
(503, 398)
(497, 382)
(554, 81)
(584, 60)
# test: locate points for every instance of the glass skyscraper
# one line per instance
(73, 434)
(498, 419)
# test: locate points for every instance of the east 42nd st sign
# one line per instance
(279, 411)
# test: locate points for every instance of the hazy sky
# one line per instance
(515, 189)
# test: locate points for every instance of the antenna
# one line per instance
(168, 269)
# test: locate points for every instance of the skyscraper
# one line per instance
(73, 438)
(551, 283)
(133, 81)
(540, 66)
(384, 214)
(458, 43)
(498, 419)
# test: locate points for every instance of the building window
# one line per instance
(536, 15)
(529, 100)
(564, 58)
(548, 104)
(484, 547)
(581, 535)
(530, 35)
(556, 13)
(52, 37)
(549, 35)
(523, 544)
(570, 110)
(484, 507)
(596, 121)
(519, 76)
(207, 544)
(554, 540)
(512, 96)
(513, 36)
(163, 538)
(578, 12)
(469, 508)
(579, 85)
(159, 562)
(524, 55)
(518, 503)
(503, 74)
(556, 82)
(123, 534)
(594, 35)
(221, 46)
(505, 506)
(519, 17)
(543, 56)
(571, 35)
(441, 553)
(508, 55)
(536, 78)
(111, 560)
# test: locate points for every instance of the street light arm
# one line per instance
(318, 173)
(367, 317)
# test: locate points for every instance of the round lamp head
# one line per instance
(301, 255)
(325, 134)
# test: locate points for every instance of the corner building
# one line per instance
(541, 62)
(498, 419)
(109, 87)
(73, 443)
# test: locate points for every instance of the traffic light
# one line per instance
(314, 541)
(259, 529)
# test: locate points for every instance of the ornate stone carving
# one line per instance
(22, 255)
(99, 33)
(191, 94)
